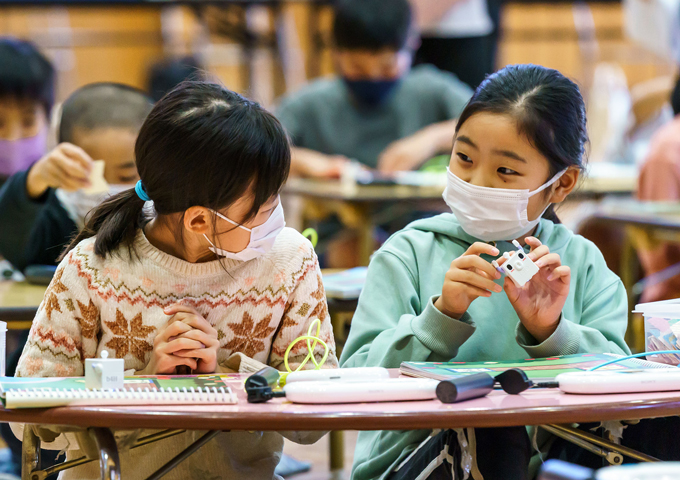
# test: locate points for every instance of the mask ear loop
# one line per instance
(310, 349)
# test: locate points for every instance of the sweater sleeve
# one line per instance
(391, 326)
(65, 329)
(306, 303)
(602, 327)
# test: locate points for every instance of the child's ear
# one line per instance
(198, 220)
(565, 185)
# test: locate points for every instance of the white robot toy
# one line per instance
(519, 267)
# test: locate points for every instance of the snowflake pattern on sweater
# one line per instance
(116, 304)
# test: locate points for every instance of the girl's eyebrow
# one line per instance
(464, 139)
(509, 154)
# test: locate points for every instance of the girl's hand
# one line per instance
(540, 301)
(468, 277)
(165, 345)
(203, 350)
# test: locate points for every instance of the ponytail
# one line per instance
(114, 222)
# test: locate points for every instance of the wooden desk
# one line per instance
(645, 224)
(356, 205)
(19, 302)
(534, 407)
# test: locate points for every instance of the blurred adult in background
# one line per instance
(459, 36)
(376, 110)
(170, 72)
(660, 181)
(27, 82)
(43, 207)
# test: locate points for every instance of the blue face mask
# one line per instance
(371, 92)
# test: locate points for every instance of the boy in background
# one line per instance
(26, 98)
(43, 207)
(377, 110)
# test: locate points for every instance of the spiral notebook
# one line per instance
(143, 390)
(543, 369)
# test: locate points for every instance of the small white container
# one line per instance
(662, 328)
(3, 347)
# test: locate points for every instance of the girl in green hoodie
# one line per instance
(433, 295)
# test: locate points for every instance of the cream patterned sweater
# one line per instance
(116, 304)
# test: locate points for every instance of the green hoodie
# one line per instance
(396, 319)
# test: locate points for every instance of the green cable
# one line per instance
(311, 234)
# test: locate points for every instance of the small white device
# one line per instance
(339, 374)
(620, 381)
(519, 267)
(104, 373)
(389, 390)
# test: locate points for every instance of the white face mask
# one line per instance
(77, 204)
(262, 237)
(492, 213)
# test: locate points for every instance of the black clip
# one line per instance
(258, 386)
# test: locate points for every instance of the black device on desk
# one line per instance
(260, 385)
(39, 274)
(513, 381)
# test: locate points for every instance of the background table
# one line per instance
(356, 205)
(19, 302)
(645, 224)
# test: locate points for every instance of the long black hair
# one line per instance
(201, 145)
(548, 109)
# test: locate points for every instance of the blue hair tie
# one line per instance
(141, 192)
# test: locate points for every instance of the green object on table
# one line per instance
(436, 164)
(311, 234)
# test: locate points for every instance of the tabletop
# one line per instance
(533, 407)
(597, 183)
(20, 294)
(19, 302)
(336, 190)
(646, 214)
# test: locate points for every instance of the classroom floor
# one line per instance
(318, 455)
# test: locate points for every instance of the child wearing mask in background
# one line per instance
(27, 81)
(377, 110)
(46, 205)
(42, 208)
(211, 275)
(432, 294)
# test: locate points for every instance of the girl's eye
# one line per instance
(464, 158)
(506, 171)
